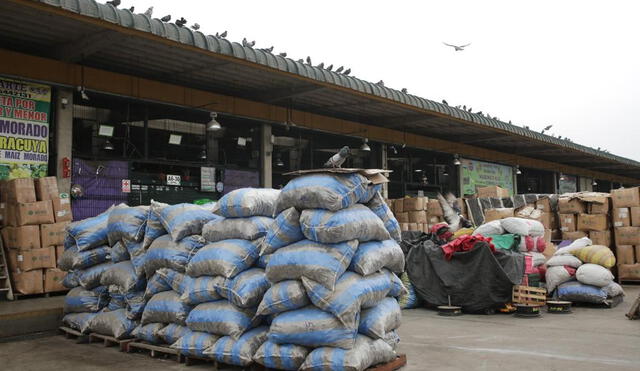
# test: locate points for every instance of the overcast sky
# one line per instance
(573, 64)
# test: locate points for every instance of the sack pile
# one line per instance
(580, 272)
(330, 263)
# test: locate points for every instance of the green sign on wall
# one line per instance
(482, 174)
(24, 129)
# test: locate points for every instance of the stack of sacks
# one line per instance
(86, 257)
(523, 235)
(580, 272)
(333, 292)
(223, 284)
(173, 236)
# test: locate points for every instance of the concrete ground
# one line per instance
(587, 339)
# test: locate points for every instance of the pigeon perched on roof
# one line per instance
(321, 65)
(348, 71)
(404, 90)
(283, 55)
(115, 3)
(181, 22)
(339, 69)
(269, 49)
(339, 158)
(149, 12)
(224, 34)
(457, 48)
(445, 102)
(166, 18)
(195, 26)
(329, 67)
(308, 60)
(380, 83)
(132, 9)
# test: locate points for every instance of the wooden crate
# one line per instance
(529, 295)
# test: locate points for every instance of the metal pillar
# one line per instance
(266, 156)
(64, 134)
(384, 165)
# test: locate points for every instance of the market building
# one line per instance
(130, 109)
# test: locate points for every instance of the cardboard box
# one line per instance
(426, 229)
(595, 222)
(549, 250)
(629, 271)
(497, 214)
(402, 217)
(23, 238)
(621, 217)
(28, 260)
(434, 219)
(434, 208)
(573, 235)
(62, 209)
(597, 208)
(625, 197)
(601, 237)
(625, 255)
(627, 236)
(547, 220)
(544, 205)
(417, 216)
(53, 234)
(568, 222)
(547, 236)
(492, 191)
(398, 205)
(413, 227)
(9, 214)
(27, 283)
(20, 191)
(637, 250)
(526, 211)
(568, 205)
(46, 188)
(59, 252)
(33, 213)
(634, 213)
(404, 227)
(53, 278)
(414, 204)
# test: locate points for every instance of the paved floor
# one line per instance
(588, 339)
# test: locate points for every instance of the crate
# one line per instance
(109, 341)
(399, 362)
(155, 351)
(70, 333)
(529, 295)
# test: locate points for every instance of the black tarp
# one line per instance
(477, 280)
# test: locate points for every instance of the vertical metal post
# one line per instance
(64, 134)
(146, 132)
(384, 162)
(266, 155)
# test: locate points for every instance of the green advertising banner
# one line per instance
(482, 174)
(24, 129)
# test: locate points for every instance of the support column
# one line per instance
(266, 156)
(63, 134)
(384, 165)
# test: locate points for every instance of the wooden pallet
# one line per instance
(109, 341)
(18, 296)
(190, 360)
(399, 362)
(529, 295)
(70, 333)
(155, 351)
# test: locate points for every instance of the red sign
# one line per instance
(126, 186)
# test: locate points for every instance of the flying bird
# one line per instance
(452, 212)
(283, 55)
(166, 18)
(456, 47)
(115, 3)
(339, 158)
(181, 22)
(340, 69)
(196, 26)
(149, 12)
(546, 129)
(347, 72)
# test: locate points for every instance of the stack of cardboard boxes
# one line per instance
(34, 217)
(586, 217)
(495, 213)
(417, 213)
(626, 223)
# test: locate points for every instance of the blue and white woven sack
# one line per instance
(355, 222)
(372, 256)
(238, 352)
(281, 356)
(247, 202)
(376, 322)
(165, 307)
(381, 209)
(184, 220)
(222, 318)
(284, 231)
(282, 297)
(223, 258)
(127, 223)
(249, 228)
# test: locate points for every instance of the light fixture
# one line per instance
(64, 102)
(417, 171)
(518, 172)
(83, 93)
(108, 146)
(279, 162)
(445, 172)
(562, 177)
(456, 159)
(175, 139)
(213, 124)
(365, 145)
(242, 142)
(425, 180)
(203, 154)
(595, 183)
(394, 149)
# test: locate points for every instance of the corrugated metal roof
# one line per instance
(185, 35)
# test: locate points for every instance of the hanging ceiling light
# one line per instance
(445, 172)
(365, 145)
(562, 177)
(213, 125)
(83, 93)
(108, 146)
(518, 172)
(456, 159)
(203, 154)
(279, 162)
(595, 183)
(417, 171)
